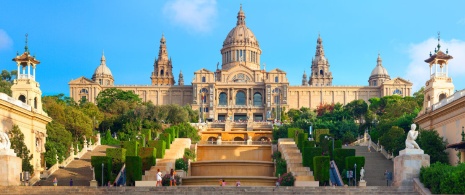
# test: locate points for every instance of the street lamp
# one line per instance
(328, 137)
(310, 138)
(355, 175)
(102, 173)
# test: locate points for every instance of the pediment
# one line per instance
(203, 70)
(277, 70)
(397, 81)
(81, 80)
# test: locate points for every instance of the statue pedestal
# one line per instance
(362, 183)
(93, 183)
(407, 166)
(10, 169)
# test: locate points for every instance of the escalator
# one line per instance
(334, 174)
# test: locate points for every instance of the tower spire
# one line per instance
(241, 17)
(379, 60)
(26, 49)
(439, 40)
(103, 59)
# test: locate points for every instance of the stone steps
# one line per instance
(293, 158)
(375, 165)
(208, 190)
(167, 163)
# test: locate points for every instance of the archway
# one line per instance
(238, 139)
(442, 96)
(22, 98)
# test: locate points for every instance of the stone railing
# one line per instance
(14, 101)
(380, 148)
(200, 143)
(419, 187)
(449, 99)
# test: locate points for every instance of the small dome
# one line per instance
(102, 69)
(379, 69)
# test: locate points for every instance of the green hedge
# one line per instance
(118, 156)
(160, 145)
(131, 147)
(291, 132)
(318, 132)
(308, 153)
(281, 167)
(340, 155)
(148, 156)
(148, 134)
(167, 138)
(444, 179)
(350, 162)
(325, 144)
(310, 144)
(96, 162)
(337, 144)
(181, 164)
(133, 170)
(302, 138)
(321, 169)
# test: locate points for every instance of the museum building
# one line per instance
(241, 87)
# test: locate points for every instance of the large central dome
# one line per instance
(241, 46)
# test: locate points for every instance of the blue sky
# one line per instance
(68, 36)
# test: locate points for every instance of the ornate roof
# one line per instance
(241, 34)
(439, 56)
(379, 69)
(102, 69)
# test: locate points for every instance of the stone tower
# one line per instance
(379, 74)
(304, 79)
(181, 79)
(25, 87)
(440, 85)
(163, 68)
(102, 74)
(321, 76)
(241, 46)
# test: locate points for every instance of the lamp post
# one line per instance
(355, 175)
(102, 172)
(327, 137)
(310, 137)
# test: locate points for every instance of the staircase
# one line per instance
(167, 163)
(291, 154)
(78, 170)
(375, 165)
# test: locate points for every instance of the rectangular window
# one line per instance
(237, 55)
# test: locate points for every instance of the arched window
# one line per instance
(240, 98)
(162, 72)
(276, 79)
(203, 79)
(321, 72)
(22, 98)
(35, 103)
(442, 96)
(429, 100)
(257, 99)
(397, 92)
(223, 99)
(238, 139)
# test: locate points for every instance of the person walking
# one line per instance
(158, 178)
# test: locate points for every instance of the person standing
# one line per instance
(172, 178)
(158, 178)
(55, 182)
(71, 182)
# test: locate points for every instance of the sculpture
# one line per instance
(411, 137)
(93, 173)
(362, 174)
(5, 143)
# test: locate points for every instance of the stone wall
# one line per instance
(231, 152)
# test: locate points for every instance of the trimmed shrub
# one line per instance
(148, 156)
(351, 160)
(308, 154)
(340, 157)
(167, 138)
(133, 170)
(159, 145)
(321, 169)
(302, 138)
(189, 154)
(281, 132)
(444, 179)
(131, 147)
(181, 163)
(148, 134)
(310, 144)
(337, 144)
(325, 144)
(318, 132)
(96, 162)
(281, 167)
(287, 179)
(291, 132)
(118, 156)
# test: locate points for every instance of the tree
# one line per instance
(107, 99)
(5, 87)
(433, 145)
(58, 142)
(6, 75)
(20, 148)
(419, 96)
(357, 109)
(393, 140)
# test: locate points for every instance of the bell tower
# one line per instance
(320, 75)
(439, 86)
(163, 68)
(25, 87)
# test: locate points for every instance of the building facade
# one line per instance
(443, 109)
(242, 88)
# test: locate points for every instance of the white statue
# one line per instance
(362, 174)
(411, 137)
(5, 143)
(93, 173)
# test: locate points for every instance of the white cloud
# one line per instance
(197, 15)
(418, 69)
(5, 40)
